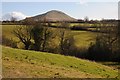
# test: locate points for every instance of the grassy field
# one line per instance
(82, 38)
(7, 30)
(22, 63)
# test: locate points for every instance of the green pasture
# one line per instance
(19, 63)
(76, 24)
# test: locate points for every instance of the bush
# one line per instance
(8, 42)
(99, 51)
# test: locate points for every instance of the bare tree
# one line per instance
(46, 36)
(86, 19)
(41, 35)
(105, 45)
(37, 33)
(13, 19)
(118, 42)
(64, 38)
(23, 32)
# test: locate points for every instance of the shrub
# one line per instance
(99, 51)
(9, 42)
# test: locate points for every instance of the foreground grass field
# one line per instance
(22, 63)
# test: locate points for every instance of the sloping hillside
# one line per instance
(23, 63)
(53, 15)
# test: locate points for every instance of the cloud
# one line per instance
(17, 15)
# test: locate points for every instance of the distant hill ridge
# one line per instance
(53, 15)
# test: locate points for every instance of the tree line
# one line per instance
(38, 36)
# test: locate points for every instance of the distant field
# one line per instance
(7, 30)
(77, 24)
(82, 38)
(29, 64)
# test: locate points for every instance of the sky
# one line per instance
(79, 10)
(82, 1)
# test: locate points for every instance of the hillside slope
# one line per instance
(53, 15)
(22, 63)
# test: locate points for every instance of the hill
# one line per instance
(22, 63)
(52, 15)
